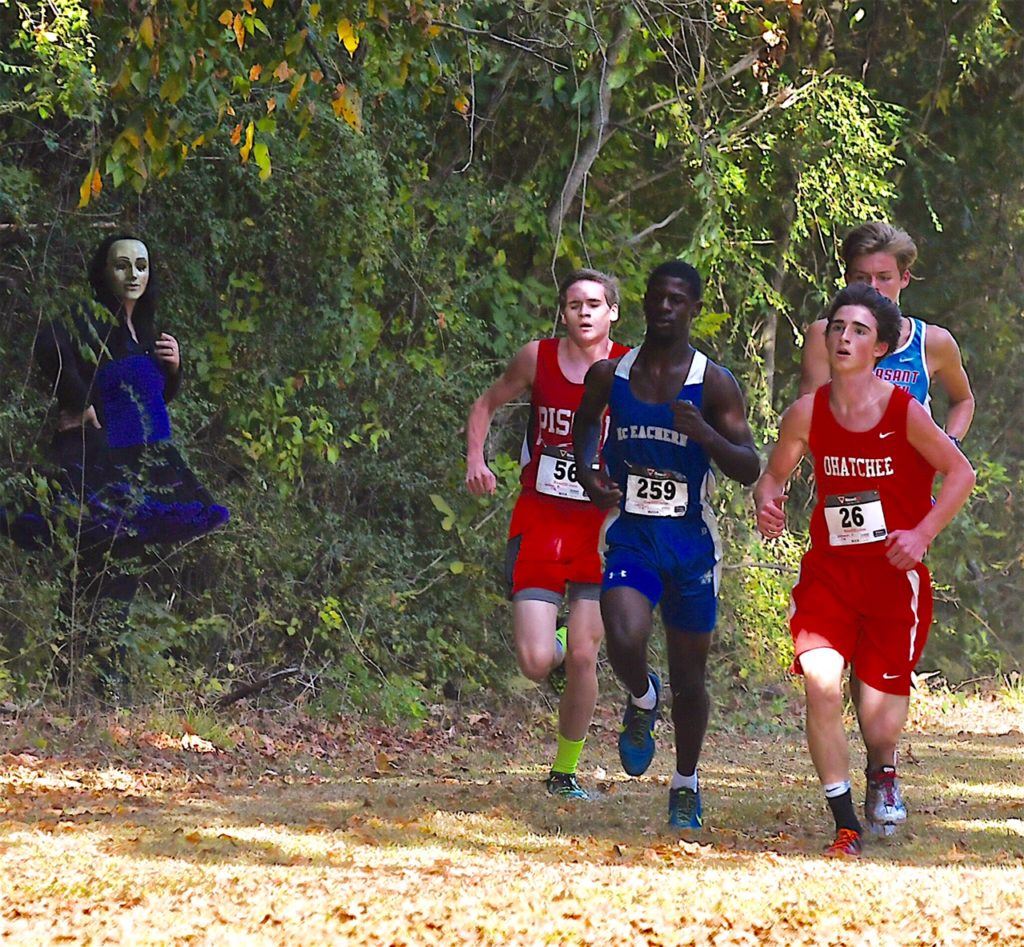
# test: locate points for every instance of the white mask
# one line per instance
(127, 269)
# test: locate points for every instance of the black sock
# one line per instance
(842, 812)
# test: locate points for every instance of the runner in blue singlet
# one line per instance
(907, 366)
(881, 255)
(672, 411)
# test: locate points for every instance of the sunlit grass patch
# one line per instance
(1005, 827)
(502, 832)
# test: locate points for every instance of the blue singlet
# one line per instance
(663, 541)
(907, 366)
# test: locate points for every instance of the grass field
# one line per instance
(166, 829)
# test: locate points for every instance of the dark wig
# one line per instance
(680, 270)
(888, 316)
(143, 315)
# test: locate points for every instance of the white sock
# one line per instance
(650, 700)
(836, 789)
(679, 781)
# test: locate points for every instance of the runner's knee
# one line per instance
(535, 661)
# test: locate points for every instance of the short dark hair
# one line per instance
(876, 236)
(610, 284)
(679, 269)
(888, 316)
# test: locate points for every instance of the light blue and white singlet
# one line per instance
(907, 366)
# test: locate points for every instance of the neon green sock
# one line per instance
(568, 755)
(561, 636)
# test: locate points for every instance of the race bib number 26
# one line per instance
(652, 492)
(855, 518)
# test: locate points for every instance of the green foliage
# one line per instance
(358, 214)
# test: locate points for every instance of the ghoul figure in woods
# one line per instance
(120, 487)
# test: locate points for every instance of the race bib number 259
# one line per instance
(651, 492)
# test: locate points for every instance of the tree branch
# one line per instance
(599, 133)
(495, 38)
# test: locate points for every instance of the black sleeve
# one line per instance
(55, 355)
(172, 380)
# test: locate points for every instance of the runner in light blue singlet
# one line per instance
(907, 366)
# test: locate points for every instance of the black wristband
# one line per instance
(956, 441)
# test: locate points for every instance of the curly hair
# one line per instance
(888, 316)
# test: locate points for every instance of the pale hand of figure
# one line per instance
(68, 420)
(167, 351)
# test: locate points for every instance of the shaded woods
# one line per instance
(357, 211)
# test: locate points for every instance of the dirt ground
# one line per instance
(166, 828)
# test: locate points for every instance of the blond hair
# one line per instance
(876, 236)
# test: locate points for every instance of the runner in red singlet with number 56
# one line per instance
(553, 538)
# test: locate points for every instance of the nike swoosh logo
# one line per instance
(889, 677)
(882, 437)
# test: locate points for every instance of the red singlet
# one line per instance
(552, 539)
(852, 464)
(553, 403)
(848, 596)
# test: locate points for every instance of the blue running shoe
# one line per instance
(685, 810)
(636, 736)
(566, 786)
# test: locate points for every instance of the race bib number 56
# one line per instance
(855, 518)
(556, 475)
(652, 492)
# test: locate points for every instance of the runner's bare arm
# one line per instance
(947, 367)
(586, 434)
(770, 491)
(908, 546)
(516, 379)
(722, 430)
(814, 370)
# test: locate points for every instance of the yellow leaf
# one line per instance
(254, 73)
(268, 3)
(236, 134)
(261, 154)
(271, 105)
(348, 105)
(97, 183)
(347, 35)
(247, 147)
(85, 191)
(239, 30)
(226, 18)
(461, 105)
(284, 72)
(293, 96)
(248, 7)
(146, 32)
(433, 31)
(314, 10)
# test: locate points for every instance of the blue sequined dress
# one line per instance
(123, 486)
